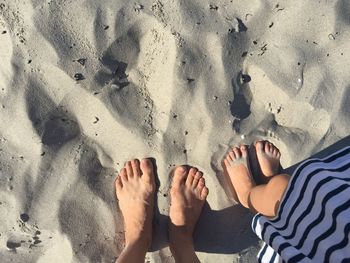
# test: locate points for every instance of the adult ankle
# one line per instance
(183, 252)
(141, 243)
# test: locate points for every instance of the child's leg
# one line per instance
(265, 199)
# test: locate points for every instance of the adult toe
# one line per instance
(204, 193)
(135, 165)
(179, 176)
(129, 171)
(196, 179)
(146, 167)
(190, 176)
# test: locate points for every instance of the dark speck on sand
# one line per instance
(12, 245)
(213, 7)
(82, 61)
(24, 217)
(78, 76)
(246, 78)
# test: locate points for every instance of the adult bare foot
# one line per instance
(188, 194)
(135, 188)
(268, 157)
(236, 164)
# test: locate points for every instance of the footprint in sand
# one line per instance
(306, 124)
(132, 66)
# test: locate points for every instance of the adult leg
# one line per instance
(188, 194)
(135, 188)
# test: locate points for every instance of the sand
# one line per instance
(87, 85)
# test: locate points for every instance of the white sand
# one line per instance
(161, 79)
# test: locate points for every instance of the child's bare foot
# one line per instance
(268, 157)
(188, 194)
(236, 164)
(135, 188)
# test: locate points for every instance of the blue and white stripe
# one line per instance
(313, 221)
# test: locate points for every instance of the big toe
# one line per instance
(259, 145)
(147, 170)
(244, 151)
(179, 176)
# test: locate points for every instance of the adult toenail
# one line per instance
(181, 169)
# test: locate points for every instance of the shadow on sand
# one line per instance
(229, 231)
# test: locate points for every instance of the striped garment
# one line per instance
(313, 221)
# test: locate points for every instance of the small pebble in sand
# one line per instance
(37, 241)
(246, 78)
(331, 37)
(279, 109)
(12, 245)
(213, 7)
(138, 8)
(79, 76)
(82, 61)
(4, 32)
(24, 217)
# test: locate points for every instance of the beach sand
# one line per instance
(88, 85)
